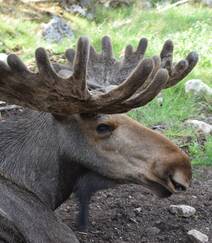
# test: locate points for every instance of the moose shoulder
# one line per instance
(73, 126)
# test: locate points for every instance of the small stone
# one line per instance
(158, 222)
(196, 236)
(2, 103)
(67, 209)
(204, 127)
(182, 210)
(138, 210)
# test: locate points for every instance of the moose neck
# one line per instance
(30, 156)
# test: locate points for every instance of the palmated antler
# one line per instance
(92, 82)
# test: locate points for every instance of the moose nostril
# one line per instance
(178, 187)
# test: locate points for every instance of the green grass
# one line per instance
(201, 155)
(188, 26)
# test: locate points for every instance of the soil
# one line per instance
(133, 214)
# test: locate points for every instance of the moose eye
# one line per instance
(104, 128)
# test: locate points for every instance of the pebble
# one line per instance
(196, 236)
(182, 210)
(138, 210)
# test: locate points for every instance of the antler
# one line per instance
(92, 82)
(180, 70)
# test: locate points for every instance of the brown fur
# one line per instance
(136, 153)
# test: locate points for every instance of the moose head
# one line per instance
(85, 98)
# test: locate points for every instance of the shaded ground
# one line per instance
(132, 214)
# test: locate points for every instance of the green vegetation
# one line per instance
(201, 154)
(188, 26)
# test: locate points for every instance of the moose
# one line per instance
(73, 133)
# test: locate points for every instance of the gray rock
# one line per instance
(197, 87)
(2, 103)
(56, 30)
(138, 210)
(208, 120)
(196, 236)
(207, 2)
(201, 126)
(182, 210)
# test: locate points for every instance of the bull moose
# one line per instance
(72, 127)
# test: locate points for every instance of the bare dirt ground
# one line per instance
(132, 214)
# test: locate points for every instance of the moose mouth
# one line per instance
(163, 191)
(158, 189)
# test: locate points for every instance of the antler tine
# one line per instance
(167, 55)
(107, 50)
(45, 67)
(80, 68)
(128, 51)
(139, 53)
(181, 69)
(81, 60)
(11, 87)
(142, 46)
(16, 64)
